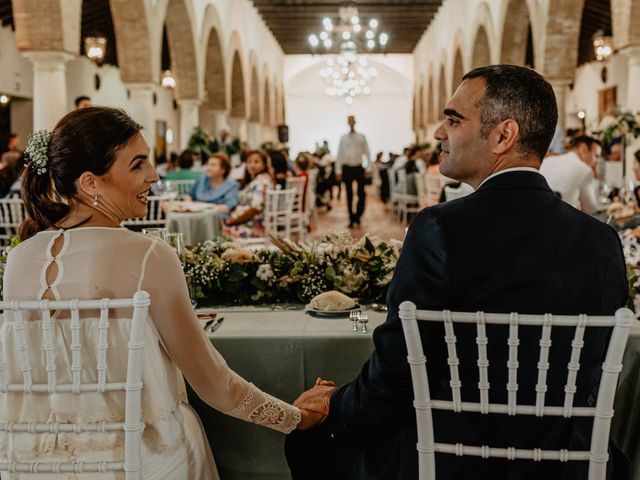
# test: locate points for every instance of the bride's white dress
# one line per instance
(95, 263)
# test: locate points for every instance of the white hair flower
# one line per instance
(37, 148)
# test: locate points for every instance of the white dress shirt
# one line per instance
(353, 146)
(573, 179)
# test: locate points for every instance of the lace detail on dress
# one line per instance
(263, 409)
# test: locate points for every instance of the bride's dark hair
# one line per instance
(84, 140)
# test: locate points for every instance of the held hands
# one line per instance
(314, 403)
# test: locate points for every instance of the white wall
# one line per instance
(384, 116)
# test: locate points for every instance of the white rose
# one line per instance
(264, 272)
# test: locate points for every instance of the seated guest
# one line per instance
(571, 174)
(279, 167)
(215, 186)
(246, 219)
(184, 172)
(81, 180)
(511, 246)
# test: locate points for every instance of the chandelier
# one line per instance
(95, 48)
(602, 45)
(347, 74)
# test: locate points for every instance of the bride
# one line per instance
(81, 181)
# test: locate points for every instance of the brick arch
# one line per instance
(182, 49)
(458, 70)
(515, 33)
(254, 108)
(267, 109)
(48, 25)
(481, 51)
(238, 97)
(420, 107)
(625, 19)
(133, 40)
(281, 109)
(562, 33)
(431, 99)
(213, 60)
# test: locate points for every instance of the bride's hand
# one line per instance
(309, 419)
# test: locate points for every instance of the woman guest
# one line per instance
(215, 186)
(185, 171)
(80, 182)
(246, 219)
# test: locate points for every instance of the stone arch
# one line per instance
(238, 98)
(458, 70)
(47, 25)
(132, 28)
(442, 93)
(213, 60)
(562, 34)
(420, 107)
(182, 49)
(431, 99)
(281, 106)
(625, 19)
(481, 50)
(515, 33)
(266, 111)
(254, 95)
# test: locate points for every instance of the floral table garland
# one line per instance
(224, 272)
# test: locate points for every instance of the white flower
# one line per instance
(385, 280)
(237, 255)
(324, 248)
(351, 280)
(264, 272)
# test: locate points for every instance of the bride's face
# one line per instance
(124, 188)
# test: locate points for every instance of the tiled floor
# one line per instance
(376, 220)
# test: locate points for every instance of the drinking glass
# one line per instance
(176, 241)
(161, 233)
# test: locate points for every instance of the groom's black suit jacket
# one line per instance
(511, 246)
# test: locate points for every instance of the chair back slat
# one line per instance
(48, 346)
(512, 364)
(574, 365)
(543, 364)
(12, 214)
(455, 383)
(278, 211)
(483, 364)
(602, 413)
(132, 386)
(157, 210)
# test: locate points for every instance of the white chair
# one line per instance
(41, 379)
(182, 187)
(393, 192)
(278, 208)
(12, 215)
(298, 215)
(421, 189)
(157, 210)
(603, 411)
(311, 209)
(406, 202)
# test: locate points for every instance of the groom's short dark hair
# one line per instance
(524, 95)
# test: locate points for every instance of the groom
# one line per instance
(511, 246)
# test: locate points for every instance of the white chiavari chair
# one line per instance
(311, 209)
(12, 215)
(278, 208)
(602, 413)
(40, 374)
(406, 202)
(433, 184)
(298, 214)
(181, 187)
(157, 209)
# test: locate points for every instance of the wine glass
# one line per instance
(176, 241)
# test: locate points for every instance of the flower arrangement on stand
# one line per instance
(226, 273)
(624, 124)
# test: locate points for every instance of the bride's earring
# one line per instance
(95, 200)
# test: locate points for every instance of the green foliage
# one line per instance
(199, 142)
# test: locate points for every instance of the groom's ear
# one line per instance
(503, 136)
(87, 184)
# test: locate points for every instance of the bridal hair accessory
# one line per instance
(37, 148)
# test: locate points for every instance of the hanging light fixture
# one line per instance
(167, 79)
(602, 45)
(4, 99)
(346, 73)
(95, 48)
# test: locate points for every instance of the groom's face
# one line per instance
(464, 151)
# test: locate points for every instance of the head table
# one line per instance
(283, 351)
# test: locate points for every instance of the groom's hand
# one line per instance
(316, 399)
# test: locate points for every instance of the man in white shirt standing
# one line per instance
(349, 167)
(571, 174)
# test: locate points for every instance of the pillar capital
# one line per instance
(49, 60)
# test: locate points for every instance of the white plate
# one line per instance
(330, 313)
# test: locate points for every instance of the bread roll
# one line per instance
(332, 301)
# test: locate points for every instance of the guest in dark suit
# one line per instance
(511, 246)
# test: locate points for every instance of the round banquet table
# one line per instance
(196, 227)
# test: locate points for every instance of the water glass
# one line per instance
(161, 233)
(176, 241)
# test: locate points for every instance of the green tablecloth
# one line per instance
(196, 227)
(282, 352)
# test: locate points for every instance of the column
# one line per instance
(239, 128)
(560, 88)
(142, 111)
(219, 120)
(633, 99)
(254, 134)
(189, 119)
(49, 88)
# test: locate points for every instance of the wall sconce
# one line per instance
(95, 48)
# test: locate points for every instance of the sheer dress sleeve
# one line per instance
(192, 352)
